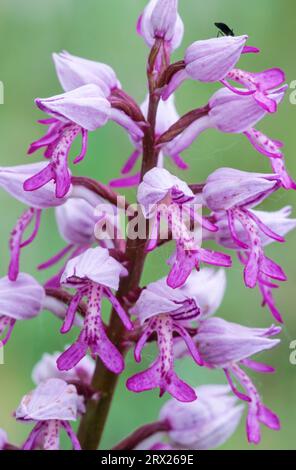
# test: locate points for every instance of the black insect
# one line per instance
(224, 30)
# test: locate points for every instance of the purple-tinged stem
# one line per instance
(101, 190)
(182, 124)
(104, 382)
(142, 433)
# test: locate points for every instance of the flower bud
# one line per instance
(205, 423)
(160, 19)
(85, 106)
(46, 369)
(212, 59)
(208, 61)
(21, 299)
(228, 187)
(76, 221)
(222, 343)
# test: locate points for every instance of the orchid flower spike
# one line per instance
(164, 310)
(162, 195)
(205, 423)
(234, 193)
(19, 300)
(93, 274)
(234, 114)
(74, 112)
(229, 346)
(51, 406)
(278, 222)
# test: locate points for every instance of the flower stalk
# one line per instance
(142, 433)
(104, 382)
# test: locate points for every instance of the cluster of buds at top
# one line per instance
(177, 310)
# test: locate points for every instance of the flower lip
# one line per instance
(13, 178)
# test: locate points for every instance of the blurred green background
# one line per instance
(104, 30)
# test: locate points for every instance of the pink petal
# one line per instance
(214, 257)
(70, 358)
(253, 428)
(270, 79)
(70, 315)
(119, 309)
(257, 366)
(273, 270)
(181, 269)
(131, 161)
(145, 380)
(250, 50)
(109, 354)
(267, 417)
(180, 390)
(127, 182)
(189, 343)
(141, 343)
